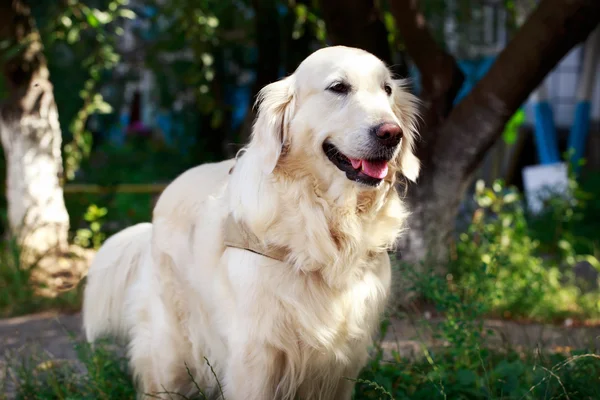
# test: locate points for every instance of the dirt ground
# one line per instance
(52, 334)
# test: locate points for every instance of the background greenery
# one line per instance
(505, 262)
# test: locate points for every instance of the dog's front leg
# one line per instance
(252, 372)
(348, 380)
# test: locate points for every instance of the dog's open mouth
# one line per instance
(367, 171)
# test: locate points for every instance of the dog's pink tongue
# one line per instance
(356, 163)
(375, 169)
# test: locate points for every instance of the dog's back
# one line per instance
(116, 264)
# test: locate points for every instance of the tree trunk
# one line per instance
(213, 130)
(31, 137)
(268, 45)
(296, 49)
(458, 144)
(358, 23)
(441, 78)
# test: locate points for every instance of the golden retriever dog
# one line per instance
(265, 277)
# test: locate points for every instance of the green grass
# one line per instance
(493, 374)
(96, 374)
(498, 375)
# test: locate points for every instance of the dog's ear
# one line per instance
(270, 131)
(406, 109)
(410, 166)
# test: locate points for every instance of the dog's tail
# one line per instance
(110, 275)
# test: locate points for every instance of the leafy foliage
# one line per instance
(464, 368)
(499, 375)
(133, 163)
(80, 41)
(501, 256)
(93, 235)
(99, 373)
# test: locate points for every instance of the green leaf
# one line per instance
(73, 35)
(301, 11)
(466, 377)
(12, 51)
(126, 13)
(102, 16)
(511, 130)
(104, 108)
(92, 20)
(66, 21)
(5, 44)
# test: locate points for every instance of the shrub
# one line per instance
(466, 369)
(500, 257)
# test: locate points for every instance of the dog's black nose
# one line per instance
(387, 134)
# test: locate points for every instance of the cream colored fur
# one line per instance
(270, 330)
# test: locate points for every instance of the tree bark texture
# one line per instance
(455, 139)
(441, 78)
(268, 45)
(474, 125)
(31, 137)
(296, 49)
(358, 23)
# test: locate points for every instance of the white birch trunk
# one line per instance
(31, 138)
(32, 146)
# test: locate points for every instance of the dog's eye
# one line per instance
(339, 87)
(388, 89)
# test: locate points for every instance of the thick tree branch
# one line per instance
(441, 78)
(358, 23)
(554, 28)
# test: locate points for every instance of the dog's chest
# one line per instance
(331, 322)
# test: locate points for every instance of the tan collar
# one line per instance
(239, 236)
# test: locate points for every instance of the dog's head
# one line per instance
(339, 114)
